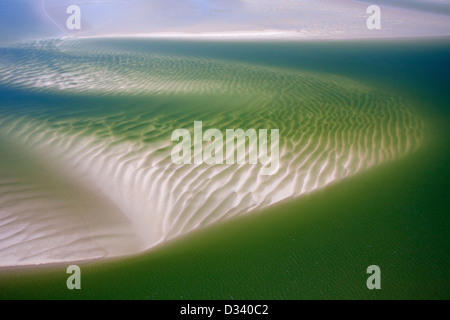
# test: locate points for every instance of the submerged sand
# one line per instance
(97, 185)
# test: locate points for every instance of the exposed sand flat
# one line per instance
(45, 218)
(245, 35)
(331, 128)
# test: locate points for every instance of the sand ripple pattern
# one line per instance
(331, 128)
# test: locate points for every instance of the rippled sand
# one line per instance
(112, 189)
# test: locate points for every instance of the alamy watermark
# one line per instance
(74, 280)
(74, 20)
(190, 150)
(374, 21)
(374, 281)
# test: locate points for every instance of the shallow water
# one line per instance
(90, 111)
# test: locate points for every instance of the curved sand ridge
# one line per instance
(331, 128)
(44, 219)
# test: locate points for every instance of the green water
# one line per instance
(318, 246)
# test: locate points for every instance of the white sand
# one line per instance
(90, 191)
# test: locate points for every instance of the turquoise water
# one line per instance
(387, 207)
